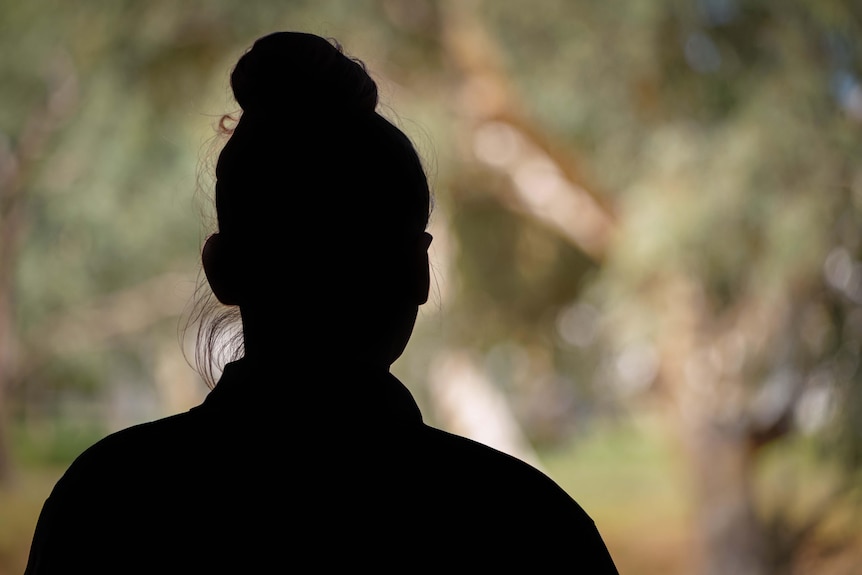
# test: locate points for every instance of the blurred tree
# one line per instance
(729, 131)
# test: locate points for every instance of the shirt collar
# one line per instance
(354, 395)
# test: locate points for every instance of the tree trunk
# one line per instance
(731, 535)
(10, 232)
(16, 166)
(467, 403)
(709, 415)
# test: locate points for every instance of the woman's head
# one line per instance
(321, 202)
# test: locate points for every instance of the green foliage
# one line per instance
(56, 444)
(515, 273)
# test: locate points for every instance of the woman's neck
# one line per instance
(265, 344)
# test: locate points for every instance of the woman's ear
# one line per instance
(423, 269)
(220, 268)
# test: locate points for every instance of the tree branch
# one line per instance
(550, 186)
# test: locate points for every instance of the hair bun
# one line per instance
(290, 73)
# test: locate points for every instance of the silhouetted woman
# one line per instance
(308, 453)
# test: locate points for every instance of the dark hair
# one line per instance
(309, 158)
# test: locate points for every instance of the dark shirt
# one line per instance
(320, 471)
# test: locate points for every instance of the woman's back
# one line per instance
(350, 479)
(308, 452)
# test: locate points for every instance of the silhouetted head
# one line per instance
(322, 205)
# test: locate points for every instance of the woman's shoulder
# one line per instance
(468, 462)
(512, 500)
(104, 494)
(128, 452)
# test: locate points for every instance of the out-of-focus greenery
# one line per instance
(721, 138)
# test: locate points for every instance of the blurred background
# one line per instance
(647, 273)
